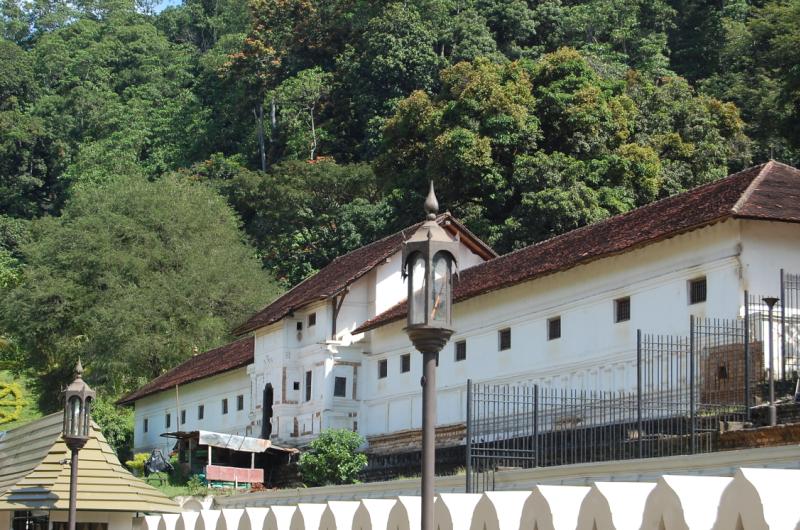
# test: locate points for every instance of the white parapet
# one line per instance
(338, 514)
(405, 514)
(280, 518)
(169, 521)
(307, 516)
(208, 519)
(760, 499)
(373, 514)
(254, 518)
(683, 503)
(553, 507)
(152, 522)
(499, 510)
(614, 506)
(188, 520)
(453, 511)
(231, 519)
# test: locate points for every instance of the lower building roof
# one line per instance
(35, 473)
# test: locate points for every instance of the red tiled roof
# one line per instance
(770, 191)
(213, 362)
(346, 269)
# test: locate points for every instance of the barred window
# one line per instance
(697, 290)
(146, 425)
(167, 420)
(504, 339)
(622, 309)
(240, 402)
(340, 387)
(225, 406)
(405, 363)
(183, 417)
(554, 328)
(461, 350)
(383, 368)
(201, 411)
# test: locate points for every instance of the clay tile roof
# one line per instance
(344, 270)
(770, 191)
(213, 362)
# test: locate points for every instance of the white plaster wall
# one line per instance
(593, 352)
(209, 392)
(768, 247)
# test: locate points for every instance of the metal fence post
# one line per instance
(640, 441)
(535, 425)
(747, 354)
(692, 440)
(468, 485)
(783, 327)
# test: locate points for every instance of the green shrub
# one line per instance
(333, 458)
(136, 465)
(196, 486)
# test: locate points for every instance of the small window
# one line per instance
(554, 328)
(225, 406)
(146, 425)
(183, 417)
(312, 319)
(504, 339)
(697, 290)
(201, 411)
(383, 368)
(340, 387)
(296, 385)
(622, 309)
(461, 350)
(308, 385)
(299, 326)
(405, 363)
(167, 420)
(240, 402)
(722, 372)
(437, 359)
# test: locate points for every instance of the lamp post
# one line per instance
(78, 399)
(428, 258)
(773, 412)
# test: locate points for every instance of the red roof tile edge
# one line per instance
(207, 364)
(346, 269)
(741, 207)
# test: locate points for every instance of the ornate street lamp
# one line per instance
(428, 259)
(78, 400)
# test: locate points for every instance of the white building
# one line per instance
(562, 313)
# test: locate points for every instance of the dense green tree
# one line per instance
(131, 277)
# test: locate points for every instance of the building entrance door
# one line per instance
(266, 420)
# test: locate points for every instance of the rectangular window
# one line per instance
(146, 425)
(201, 411)
(622, 309)
(312, 319)
(299, 326)
(383, 368)
(308, 385)
(183, 417)
(225, 406)
(697, 290)
(296, 385)
(461, 350)
(405, 363)
(167, 420)
(504, 339)
(340, 387)
(554, 328)
(240, 402)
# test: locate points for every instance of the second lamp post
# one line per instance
(428, 259)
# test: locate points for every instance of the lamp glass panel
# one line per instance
(74, 418)
(417, 284)
(440, 294)
(87, 416)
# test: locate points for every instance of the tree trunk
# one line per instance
(258, 112)
(313, 133)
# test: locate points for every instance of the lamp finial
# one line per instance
(79, 369)
(431, 204)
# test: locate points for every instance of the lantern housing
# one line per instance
(78, 401)
(428, 262)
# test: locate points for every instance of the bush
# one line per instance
(116, 423)
(136, 465)
(333, 459)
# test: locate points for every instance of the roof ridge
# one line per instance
(745, 196)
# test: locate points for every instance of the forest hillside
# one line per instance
(165, 173)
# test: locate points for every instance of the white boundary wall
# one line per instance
(753, 499)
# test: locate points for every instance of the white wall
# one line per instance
(208, 392)
(593, 352)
